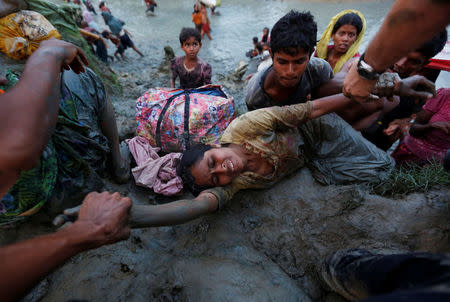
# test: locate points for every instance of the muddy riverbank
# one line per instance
(266, 245)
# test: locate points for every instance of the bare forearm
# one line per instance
(329, 104)
(36, 98)
(421, 19)
(417, 129)
(173, 213)
(24, 264)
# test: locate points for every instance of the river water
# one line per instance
(233, 27)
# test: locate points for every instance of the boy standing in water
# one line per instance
(193, 71)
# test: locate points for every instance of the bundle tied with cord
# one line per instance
(22, 32)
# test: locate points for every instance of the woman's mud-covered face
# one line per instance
(217, 168)
(344, 37)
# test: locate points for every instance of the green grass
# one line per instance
(412, 178)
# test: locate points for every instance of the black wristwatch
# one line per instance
(365, 70)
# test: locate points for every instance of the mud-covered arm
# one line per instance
(419, 19)
(103, 219)
(28, 112)
(173, 213)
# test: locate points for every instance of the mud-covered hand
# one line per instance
(417, 87)
(72, 57)
(102, 215)
(358, 88)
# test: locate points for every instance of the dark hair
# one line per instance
(259, 47)
(196, 8)
(101, 4)
(255, 39)
(349, 19)
(265, 37)
(188, 159)
(434, 46)
(293, 31)
(105, 34)
(187, 32)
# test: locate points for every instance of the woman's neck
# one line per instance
(333, 56)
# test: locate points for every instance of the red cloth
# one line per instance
(442, 59)
(435, 143)
(205, 27)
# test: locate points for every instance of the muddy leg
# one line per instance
(138, 51)
(121, 167)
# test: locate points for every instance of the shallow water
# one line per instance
(233, 29)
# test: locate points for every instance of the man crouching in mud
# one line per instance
(28, 114)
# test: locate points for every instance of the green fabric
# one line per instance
(63, 17)
(76, 153)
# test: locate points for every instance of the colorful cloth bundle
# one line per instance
(22, 32)
(175, 119)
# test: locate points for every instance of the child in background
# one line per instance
(192, 71)
(205, 22)
(151, 4)
(197, 17)
(265, 38)
(116, 27)
(116, 41)
(103, 8)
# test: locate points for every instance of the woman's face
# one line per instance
(344, 37)
(265, 31)
(218, 167)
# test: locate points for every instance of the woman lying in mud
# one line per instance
(261, 147)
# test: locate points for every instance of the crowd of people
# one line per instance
(325, 107)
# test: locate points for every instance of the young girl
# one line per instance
(193, 71)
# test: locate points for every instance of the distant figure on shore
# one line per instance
(122, 43)
(192, 71)
(205, 22)
(346, 29)
(197, 17)
(265, 38)
(116, 26)
(151, 4)
(89, 6)
(103, 8)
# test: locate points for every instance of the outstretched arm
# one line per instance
(103, 219)
(419, 19)
(28, 112)
(173, 213)
(177, 212)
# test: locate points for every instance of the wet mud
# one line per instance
(266, 245)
